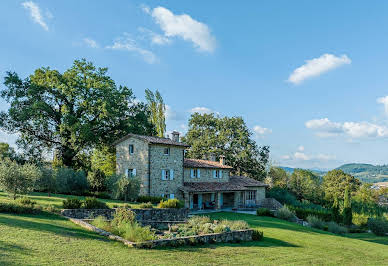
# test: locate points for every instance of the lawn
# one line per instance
(56, 200)
(51, 239)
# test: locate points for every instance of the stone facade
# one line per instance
(206, 175)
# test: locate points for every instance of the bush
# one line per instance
(171, 204)
(257, 235)
(263, 212)
(124, 188)
(101, 195)
(136, 233)
(378, 226)
(315, 222)
(93, 203)
(102, 223)
(360, 219)
(97, 180)
(69, 181)
(17, 208)
(335, 228)
(154, 200)
(26, 201)
(304, 212)
(122, 216)
(147, 205)
(72, 203)
(282, 195)
(285, 214)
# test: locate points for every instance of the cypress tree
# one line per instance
(347, 212)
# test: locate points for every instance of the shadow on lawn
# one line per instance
(369, 238)
(48, 224)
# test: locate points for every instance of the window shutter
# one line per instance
(199, 173)
(171, 196)
(134, 172)
(171, 174)
(191, 173)
(163, 175)
(127, 172)
(220, 173)
(214, 174)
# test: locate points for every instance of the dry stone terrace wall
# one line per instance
(156, 218)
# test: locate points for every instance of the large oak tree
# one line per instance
(70, 112)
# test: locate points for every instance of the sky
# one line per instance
(310, 78)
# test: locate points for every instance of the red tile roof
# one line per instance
(197, 163)
(236, 183)
(153, 140)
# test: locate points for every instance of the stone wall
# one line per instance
(206, 175)
(138, 160)
(160, 161)
(156, 218)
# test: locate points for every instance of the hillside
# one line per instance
(290, 170)
(366, 172)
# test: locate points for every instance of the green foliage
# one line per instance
(157, 109)
(278, 177)
(171, 204)
(306, 185)
(93, 203)
(69, 112)
(7, 152)
(146, 205)
(257, 235)
(97, 180)
(69, 181)
(153, 200)
(72, 203)
(17, 179)
(336, 181)
(15, 208)
(347, 212)
(366, 172)
(125, 188)
(47, 181)
(303, 212)
(315, 222)
(335, 228)
(136, 233)
(26, 201)
(360, 219)
(336, 211)
(230, 137)
(102, 223)
(285, 214)
(282, 195)
(263, 212)
(122, 216)
(104, 159)
(378, 226)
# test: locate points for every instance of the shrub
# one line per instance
(72, 203)
(26, 201)
(147, 205)
(97, 180)
(69, 181)
(171, 204)
(257, 235)
(154, 200)
(102, 223)
(46, 181)
(378, 226)
(304, 212)
(17, 208)
(102, 195)
(282, 195)
(315, 222)
(235, 225)
(360, 219)
(50, 208)
(263, 212)
(93, 203)
(122, 216)
(124, 188)
(136, 233)
(335, 228)
(285, 214)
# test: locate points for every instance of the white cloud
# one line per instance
(155, 38)
(36, 14)
(261, 131)
(325, 128)
(183, 26)
(91, 43)
(172, 115)
(384, 100)
(317, 66)
(126, 43)
(201, 110)
(301, 148)
(301, 156)
(285, 157)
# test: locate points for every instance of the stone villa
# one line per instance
(161, 165)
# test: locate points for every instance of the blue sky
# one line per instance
(309, 77)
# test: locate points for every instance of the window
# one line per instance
(167, 174)
(217, 173)
(195, 173)
(168, 196)
(130, 173)
(251, 195)
(166, 151)
(130, 149)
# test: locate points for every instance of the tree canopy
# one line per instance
(70, 112)
(157, 109)
(335, 183)
(306, 185)
(209, 135)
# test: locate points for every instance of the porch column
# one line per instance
(200, 201)
(219, 200)
(187, 200)
(236, 199)
(191, 201)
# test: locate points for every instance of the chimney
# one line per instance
(222, 160)
(175, 136)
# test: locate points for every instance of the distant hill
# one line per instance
(290, 170)
(366, 172)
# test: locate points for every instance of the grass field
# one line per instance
(51, 239)
(56, 200)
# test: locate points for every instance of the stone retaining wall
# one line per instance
(228, 237)
(156, 218)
